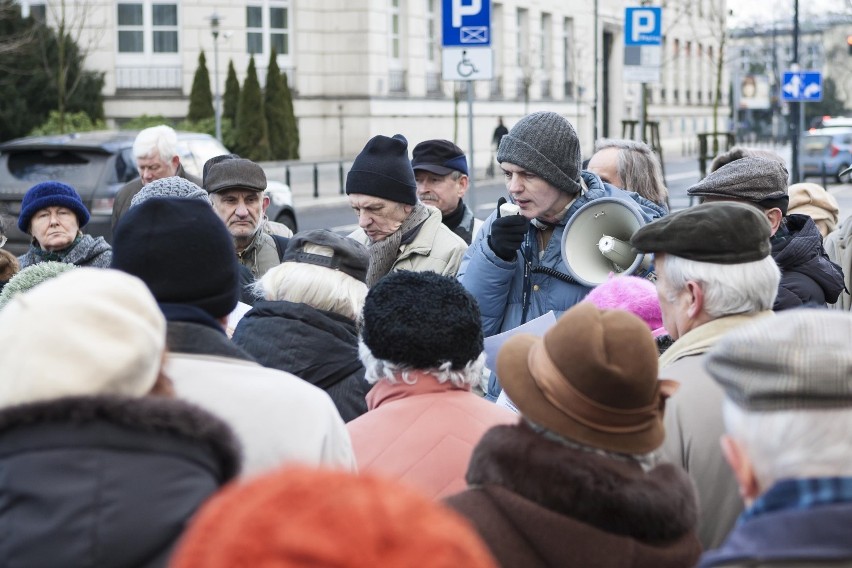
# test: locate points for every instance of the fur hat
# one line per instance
(183, 252)
(90, 331)
(545, 144)
(305, 517)
(592, 378)
(762, 181)
(232, 172)
(348, 255)
(382, 169)
(814, 201)
(633, 294)
(30, 277)
(796, 360)
(173, 186)
(422, 320)
(51, 194)
(723, 232)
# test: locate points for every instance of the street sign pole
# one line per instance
(472, 176)
(643, 38)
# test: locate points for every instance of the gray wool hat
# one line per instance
(750, 178)
(545, 144)
(795, 360)
(173, 186)
(232, 172)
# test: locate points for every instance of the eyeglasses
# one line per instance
(2, 241)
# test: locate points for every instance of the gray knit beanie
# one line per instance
(169, 187)
(545, 144)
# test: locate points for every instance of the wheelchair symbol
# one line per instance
(466, 68)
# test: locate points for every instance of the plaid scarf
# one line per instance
(383, 254)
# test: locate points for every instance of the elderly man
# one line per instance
(182, 251)
(155, 152)
(440, 170)
(631, 165)
(714, 274)
(809, 278)
(788, 414)
(401, 232)
(237, 190)
(421, 345)
(514, 266)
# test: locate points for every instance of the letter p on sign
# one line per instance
(460, 9)
(643, 23)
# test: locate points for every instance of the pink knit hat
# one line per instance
(630, 293)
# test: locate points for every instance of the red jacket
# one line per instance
(423, 434)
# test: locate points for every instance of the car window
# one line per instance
(125, 166)
(76, 168)
(205, 148)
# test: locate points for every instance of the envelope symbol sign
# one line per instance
(474, 34)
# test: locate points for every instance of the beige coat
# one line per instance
(838, 245)
(694, 425)
(435, 248)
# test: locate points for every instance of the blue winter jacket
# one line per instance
(498, 285)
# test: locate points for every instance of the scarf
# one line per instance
(383, 254)
(56, 256)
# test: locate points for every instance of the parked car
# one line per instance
(98, 164)
(829, 150)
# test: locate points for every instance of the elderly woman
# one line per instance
(305, 325)
(53, 214)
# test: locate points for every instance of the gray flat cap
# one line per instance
(723, 232)
(795, 360)
(750, 178)
(232, 172)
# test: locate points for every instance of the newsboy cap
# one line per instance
(723, 232)
(232, 172)
(348, 255)
(795, 360)
(751, 178)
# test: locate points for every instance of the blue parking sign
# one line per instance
(643, 26)
(466, 23)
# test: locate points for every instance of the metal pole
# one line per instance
(595, 78)
(218, 112)
(795, 108)
(642, 112)
(472, 177)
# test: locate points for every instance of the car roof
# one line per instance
(106, 141)
(834, 131)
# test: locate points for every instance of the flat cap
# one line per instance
(232, 172)
(723, 232)
(795, 360)
(751, 178)
(348, 255)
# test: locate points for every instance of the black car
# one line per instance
(97, 165)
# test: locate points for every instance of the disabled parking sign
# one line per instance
(466, 40)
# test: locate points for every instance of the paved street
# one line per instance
(331, 209)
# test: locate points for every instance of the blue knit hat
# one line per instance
(51, 194)
(382, 169)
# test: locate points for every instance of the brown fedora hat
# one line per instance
(592, 378)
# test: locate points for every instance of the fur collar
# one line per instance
(617, 497)
(147, 414)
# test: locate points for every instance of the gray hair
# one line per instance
(729, 289)
(792, 443)
(317, 286)
(638, 167)
(161, 138)
(382, 370)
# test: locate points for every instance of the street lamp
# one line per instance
(214, 28)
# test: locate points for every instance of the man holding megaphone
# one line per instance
(514, 266)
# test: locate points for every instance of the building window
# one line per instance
(395, 48)
(546, 41)
(521, 33)
(268, 28)
(431, 42)
(145, 27)
(34, 10)
(568, 55)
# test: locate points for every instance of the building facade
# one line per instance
(363, 67)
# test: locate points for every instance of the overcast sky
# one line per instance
(745, 12)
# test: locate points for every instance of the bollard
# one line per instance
(316, 180)
(823, 174)
(287, 176)
(340, 175)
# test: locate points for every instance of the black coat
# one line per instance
(105, 481)
(808, 277)
(317, 346)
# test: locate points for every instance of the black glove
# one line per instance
(507, 233)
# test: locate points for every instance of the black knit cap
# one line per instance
(382, 170)
(181, 249)
(422, 320)
(721, 232)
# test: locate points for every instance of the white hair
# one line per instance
(161, 138)
(729, 289)
(379, 369)
(317, 286)
(792, 443)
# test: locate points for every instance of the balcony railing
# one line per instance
(497, 87)
(149, 78)
(545, 89)
(434, 85)
(396, 81)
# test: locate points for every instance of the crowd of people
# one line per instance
(208, 389)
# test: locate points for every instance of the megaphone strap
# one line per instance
(559, 391)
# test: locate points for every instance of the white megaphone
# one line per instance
(596, 241)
